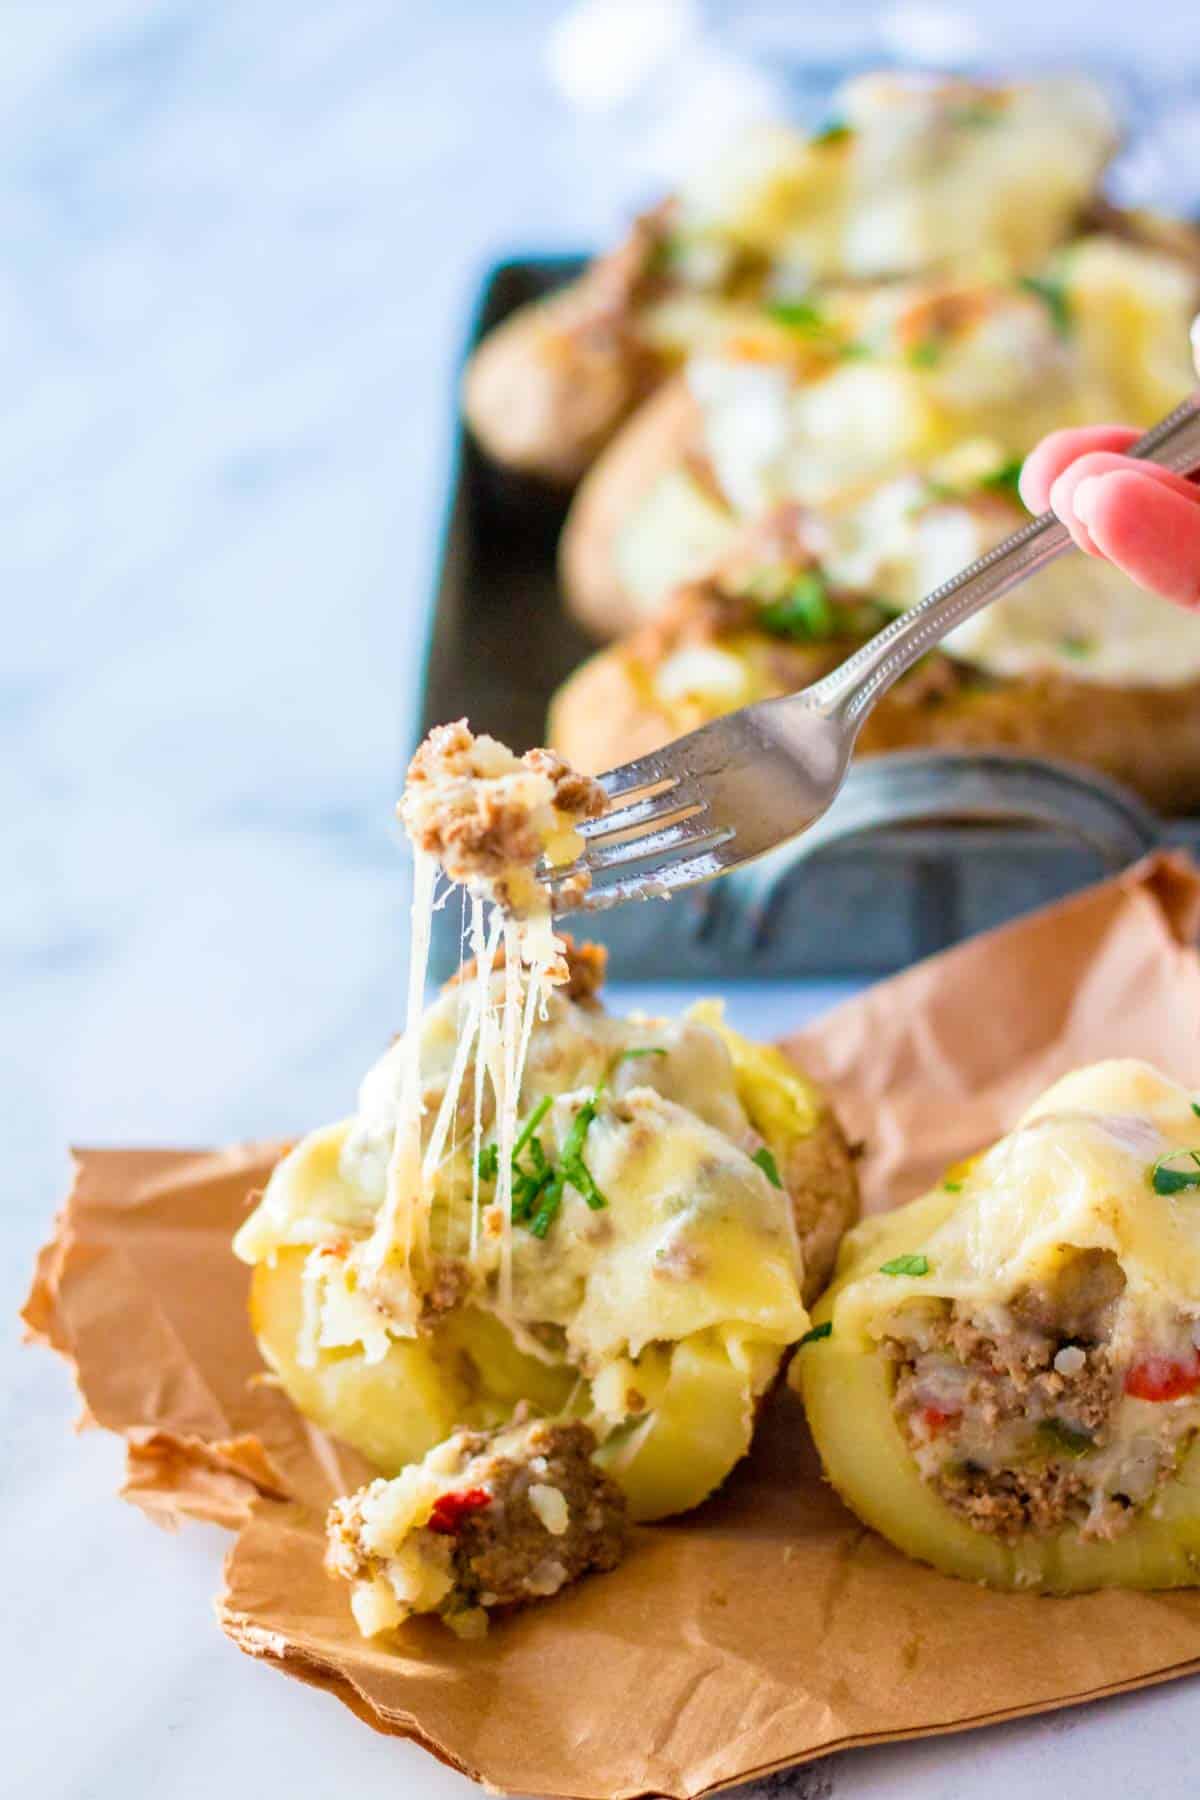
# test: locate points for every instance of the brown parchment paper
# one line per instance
(769, 1626)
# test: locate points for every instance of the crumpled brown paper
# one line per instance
(769, 1626)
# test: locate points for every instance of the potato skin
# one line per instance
(655, 440)
(543, 399)
(1148, 738)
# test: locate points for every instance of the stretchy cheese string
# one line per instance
(483, 974)
(468, 1028)
(403, 1217)
(507, 1099)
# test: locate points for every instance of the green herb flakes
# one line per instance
(768, 1165)
(952, 1187)
(816, 1334)
(623, 1056)
(926, 355)
(1175, 1172)
(834, 131)
(572, 1171)
(1064, 1439)
(798, 315)
(805, 613)
(1006, 480)
(906, 1265)
(1077, 646)
(487, 1163)
(1053, 294)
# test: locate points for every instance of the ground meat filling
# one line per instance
(553, 1517)
(526, 1511)
(485, 814)
(1016, 1419)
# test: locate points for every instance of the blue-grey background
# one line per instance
(238, 244)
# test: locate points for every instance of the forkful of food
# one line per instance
(726, 794)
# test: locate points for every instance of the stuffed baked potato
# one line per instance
(660, 1317)
(1077, 663)
(1004, 1377)
(819, 401)
(911, 174)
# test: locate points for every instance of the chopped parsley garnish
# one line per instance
(952, 1187)
(906, 1265)
(1006, 479)
(530, 1126)
(834, 131)
(572, 1171)
(926, 355)
(805, 612)
(854, 349)
(632, 1055)
(798, 315)
(1077, 646)
(816, 1334)
(1053, 294)
(488, 1162)
(538, 1184)
(1196, 1108)
(1056, 1435)
(767, 1164)
(1165, 1178)
(982, 113)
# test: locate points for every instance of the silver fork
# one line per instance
(739, 787)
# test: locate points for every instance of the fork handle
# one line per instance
(853, 688)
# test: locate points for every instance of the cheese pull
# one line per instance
(1003, 1378)
(676, 1193)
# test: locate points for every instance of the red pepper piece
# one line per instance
(935, 1420)
(449, 1510)
(1164, 1377)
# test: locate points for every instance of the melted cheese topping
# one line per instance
(1075, 1174)
(1080, 618)
(942, 365)
(892, 450)
(692, 1239)
(920, 173)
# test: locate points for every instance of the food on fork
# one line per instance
(1076, 663)
(1004, 1377)
(912, 174)
(616, 1222)
(488, 818)
(826, 401)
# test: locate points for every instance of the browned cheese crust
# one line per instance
(548, 387)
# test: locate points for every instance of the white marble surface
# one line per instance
(239, 246)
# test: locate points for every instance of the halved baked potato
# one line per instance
(679, 1194)
(911, 174)
(815, 404)
(1004, 1377)
(1077, 664)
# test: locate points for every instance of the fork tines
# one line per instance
(640, 847)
